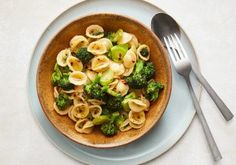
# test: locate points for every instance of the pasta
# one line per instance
(94, 81)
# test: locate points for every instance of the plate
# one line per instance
(164, 135)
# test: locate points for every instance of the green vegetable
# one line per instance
(84, 55)
(110, 91)
(109, 129)
(101, 119)
(63, 101)
(118, 52)
(114, 103)
(106, 77)
(60, 77)
(124, 103)
(144, 52)
(142, 73)
(115, 36)
(152, 90)
(94, 89)
(120, 119)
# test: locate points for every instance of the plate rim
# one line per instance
(30, 104)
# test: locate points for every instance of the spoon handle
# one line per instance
(219, 103)
(210, 139)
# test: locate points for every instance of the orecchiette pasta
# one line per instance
(94, 31)
(62, 57)
(77, 42)
(143, 52)
(96, 81)
(100, 63)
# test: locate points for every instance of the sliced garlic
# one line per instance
(77, 42)
(74, 63)
(62, 57)
(78, 78)
(94, 31)
(137, 105)
(100, 63)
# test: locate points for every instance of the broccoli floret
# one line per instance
(94, 89)
(144, 52)
(63, 101)
(84, 55)
(142, 73)
(148, 70)
(109, 129)
(60, 77)
(114, 103)
(152, 90)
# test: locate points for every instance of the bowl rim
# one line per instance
(162, 109)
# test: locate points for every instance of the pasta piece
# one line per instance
(143, 52)
(74, 63)
(71, 116)
(77, 42)
(69, 91)
(133, 42)
(61, 112)
(145, 101)
(136, 126)
(129, 59)
(100, 63)
(91, 75)
(95, 110)
(137, 117)
(113, 84)
(79, 99)
(94, 31)
(95, 102)
(62, 57)
(79, 88)
(136, 105)
(84, 126)
(117, 68)
(128, 71)
(106, 42)
(80, 110)
(126, 37)
(55, 92)
(97, 48)
(125, 126)
(122, 87)
(78, 78)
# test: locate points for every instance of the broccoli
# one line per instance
(115, 36)
(144, 52)
(63, 101)
(148, 70)
(152, 90)
(60, 77)
(84, 55)
(142, 73)
(109, 129)
(114, 103)
(124, 103)
(94, 90)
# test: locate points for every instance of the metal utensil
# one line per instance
(163, 25)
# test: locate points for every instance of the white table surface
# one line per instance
(211, 25)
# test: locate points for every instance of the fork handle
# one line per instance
(210, 139)
(227, 114)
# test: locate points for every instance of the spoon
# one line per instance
(164, 25)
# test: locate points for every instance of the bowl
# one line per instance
(110, 22)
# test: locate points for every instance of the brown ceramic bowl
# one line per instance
(109, 22)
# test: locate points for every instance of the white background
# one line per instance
(211, 26)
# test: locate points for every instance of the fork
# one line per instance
(183, 67)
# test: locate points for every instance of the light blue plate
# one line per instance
(163, 136)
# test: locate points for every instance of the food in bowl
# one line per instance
(105, 79)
